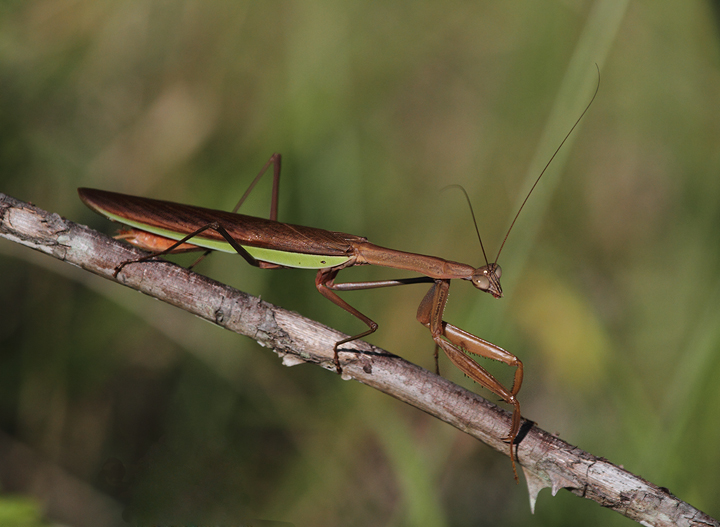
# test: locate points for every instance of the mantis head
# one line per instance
(487, 278)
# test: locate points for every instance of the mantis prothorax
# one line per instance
(164, 227)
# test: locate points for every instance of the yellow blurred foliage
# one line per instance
(564, 326)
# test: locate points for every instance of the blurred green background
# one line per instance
(112, 404)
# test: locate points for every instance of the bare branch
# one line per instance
(546, 460)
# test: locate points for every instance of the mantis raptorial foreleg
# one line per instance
(456, 342)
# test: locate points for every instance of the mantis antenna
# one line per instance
(597, 88)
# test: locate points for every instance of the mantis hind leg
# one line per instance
(159, 245)
(210, 226)
(275, 161)
(457, 343)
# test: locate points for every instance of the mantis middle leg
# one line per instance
(325, 283)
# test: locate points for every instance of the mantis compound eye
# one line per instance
(481, 282)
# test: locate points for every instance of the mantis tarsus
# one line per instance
(164, 227)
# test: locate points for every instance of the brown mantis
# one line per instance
(164, 227)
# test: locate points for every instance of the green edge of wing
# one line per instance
(284, 258)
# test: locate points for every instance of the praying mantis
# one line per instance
(164, 227)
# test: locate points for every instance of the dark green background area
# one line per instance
(612, 273)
